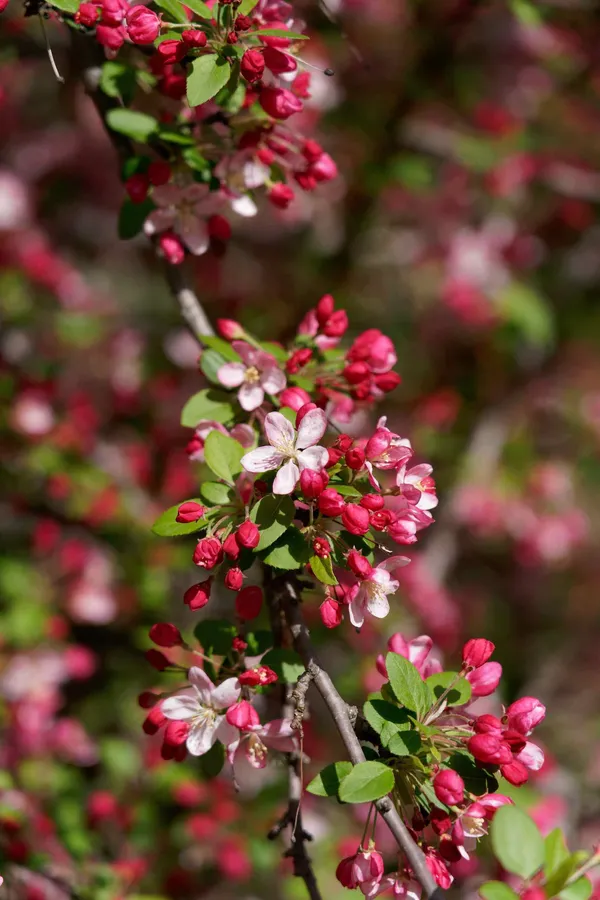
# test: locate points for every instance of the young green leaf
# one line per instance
(216, 493)
(379, 713)
(516, 841)
(210, 363)
(290, 551)
(209, 404)
(327, 782)
(460, 692)
(367, 781)
(581, 889)
(132, 217)
(285, 663)
(555, 852)
(167, 525)
(208, 75)
(322, 569)
(133, 124)
(402, 743)
(273, 514)
(222, 455)
(200, 8)
(215, 636)
(497, 890)
(407, 684)
(68, 6)
(280, 32)
(246, 7)
(118, 80)
(174, 10)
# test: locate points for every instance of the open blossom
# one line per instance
(416, 651)
(401, 887)
(372, 593)
(289, 452)
(256, 374)
(184, 209)
(201, 705)
(417, 486)
(252, 746)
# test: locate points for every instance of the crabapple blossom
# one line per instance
(416, 651)
(201, 705)
(183, 208)
(257, 374)
(289, 452)
(372, 593)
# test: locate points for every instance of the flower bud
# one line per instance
(372, 502)
(154, 720)
(231, 546)
(344, 442)
(523, 715)
(176, 733)
(378, 444)
(111, 36)
(143, 25)
(198, 595)
(514, 772)
(485, 679)
(331, 503)
(193, 38)
(321, 547)
(87, 14)
(252, 65)
(159, 172)
(242, 715)
(440, 820)
(358, 564)
(387, 381)
(490, 749)
(248, 602)
(334, 454)
(355, 458)
(163, 634)
(137, 187)
(312, 483)
(101, 805)
(230, 329)
(242, 22)
(208, 553)
(279, 103)
(147, 699)
(331, 613)
(324, 168)
(476, 652)
(239, 644)
(190, 512)
(294, 397)
(171, 247)
(337, 324)
(324, 309)
(355, 518)
(171, 50)
(157, 659)
(487, 724)
(281, 195)
(234, 579)
(248, 535)
(449, 787)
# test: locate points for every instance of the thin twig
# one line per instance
(285, 589)
(180, 281)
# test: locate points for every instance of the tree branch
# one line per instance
(288, 596)
(179, 280)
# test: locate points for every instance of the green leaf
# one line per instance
(209, 404)
(290, 551)
(407, 685)
(215, 636)
(208, 75)
(476, 780)
(497, 890)
(132, 217)
(216, 493)
(200, 8)
(367, 781)
(210, 363)
(118, 80)
(555, 852)
(174, 9)
(556, 882)
(167, 526)
(327, 782)
(246, 6)
(171, 136)
(222, 455)
(258, 642)
(460, 693)
(516, 841)
(285, 663)
(528, 311)
(68, 6)
(133, 124)
(404, 743)
(279, 32)
(379, 713)
(346, 490)
(322, 569)
(212, 762)
(221, 346)
(273, 514)
(580, 890)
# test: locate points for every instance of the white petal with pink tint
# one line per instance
(181, 707)
(203, 735)
(286, 478)
(273, 380)
(250, 396)
(193, 233)
(311, 429)
(226, 693)
(531, 756)
(263, 459)
(159, 220)
(314, 458)
(231, 374)
(280, 433)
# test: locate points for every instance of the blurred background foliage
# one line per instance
(464, 224)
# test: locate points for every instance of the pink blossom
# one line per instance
(401, 887)
(287, 451)
(201, 705)
(184, 209)
(256, 374)
(416, 651)
(252, 747)
(523, 715)
(485, 679)
(372, 593)
(417, 486)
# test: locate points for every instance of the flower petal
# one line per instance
(159, 220)
(231, 374)
(378, 604)
(312, 428)
(194, 233)
(263, 459)
(419, 649)
(280, 433)
(244, 206)
(202, 736)
(394, 562)
(167, 195)
(287, 478)
(226, 693)
(250, 396)
(531, 756)
(181, 707)
(202, 683)
(356, 608)
(314, 458)
(228, 735)
(279, 735)
(273, 380)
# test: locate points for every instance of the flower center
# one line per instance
(252, 375)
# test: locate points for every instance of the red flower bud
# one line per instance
(231, 546)
(176, 733)
(485, 679)
(190, 512)
(440, 820)
(294, 398)
(372, 502)
(230, 329)
(279, 102)
(208, 553)
(198, 595)
(111, 36)
(239, 644)
(252, 65)
(87, 14)
(523, 715)
(344, 442)
(359, 565)
(242, 22)
(248, 535)
(476, 652)
(312, 151)
(489, 749)
(337, 324)
(387, 381)
(515, 772)
(219, 228)
(488, 724)
(324, 309)
(356, 372)
(248, 602)
(171, 247)
(163, 634)
(331, 613)
(515, 740)
(331, 503)
(159, 172)
(449, 787)
(334, 454)
(297, 361)
(194, 38)
(312, 483)
(143, 25)
(321, 548)
(281, 195)
(234, 579)
(157, 659)
(242, 715)
(147, 699)
(355, 519)
(355, 458)
(101, 805)
(172, 51)
(137, 187)
(381, 519)
(154, 720)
